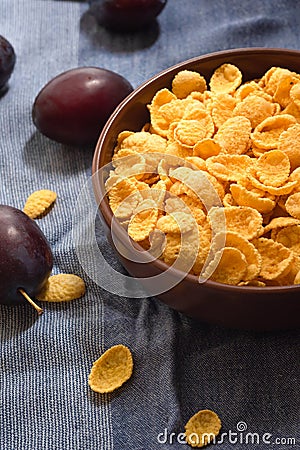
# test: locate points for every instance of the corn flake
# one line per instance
(290, 238)
(251, 254)
(230, 266)
(202, 427)
(266, 135)
(228, 167)
(273, 168)
(244, 197)
(292, 205)
(39, 203)
(276, 259)
(63, 287)
(187, 81)
(222, 108)
(289, 143)
(245, 221)
(255, 108)
(111, 370)
(234, 135)
(225, 79)
(143, 221)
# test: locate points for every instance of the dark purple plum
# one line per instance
(126, 15)
(73, 107)
(26, 258)
(7, 61)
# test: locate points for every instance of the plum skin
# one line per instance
(7, 61)
(73, 107)
(126, 15)
(26, 259)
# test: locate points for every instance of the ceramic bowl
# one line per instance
(256, 308)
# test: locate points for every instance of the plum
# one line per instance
(7, 61)
(26, 258)
(126, 15)
(73, 107)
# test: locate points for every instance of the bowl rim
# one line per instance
(101, 198)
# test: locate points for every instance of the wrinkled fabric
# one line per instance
(250, 379)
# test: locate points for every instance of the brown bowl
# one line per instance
(257, 308)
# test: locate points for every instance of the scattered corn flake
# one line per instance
(202, 428)
(289, 143)
(266, 135)
(187, 81)
(273, 168)
(292, 205)
(39, 203)
(63, 287)
(234, 135)
(225, 79)
(111, 370)
(276, 258)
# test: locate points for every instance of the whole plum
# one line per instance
(26, 258)
(7, 61)
(73, 107)
(126, 15)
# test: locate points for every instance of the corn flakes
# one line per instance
(211, 184)
(111, 370)
(63, 287)
(39, 203)
(187, 81)
(225, 79)
(202, 427)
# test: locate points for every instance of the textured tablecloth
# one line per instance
(250, 379)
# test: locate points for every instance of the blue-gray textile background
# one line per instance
(181, 366)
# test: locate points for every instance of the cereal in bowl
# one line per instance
(217, 172)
